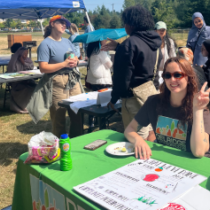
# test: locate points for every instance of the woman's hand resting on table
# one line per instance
(201, 99)
(142, 150)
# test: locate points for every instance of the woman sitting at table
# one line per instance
(176, 114)
(21, 91)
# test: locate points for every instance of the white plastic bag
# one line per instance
(43, 148)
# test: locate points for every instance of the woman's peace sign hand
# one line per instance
(201, 99)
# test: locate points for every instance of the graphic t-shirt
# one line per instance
(168, 128)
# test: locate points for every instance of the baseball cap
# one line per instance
(60, 17)
(160, 25)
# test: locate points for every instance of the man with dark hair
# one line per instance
(88, 26)
(88, 29)
(134, 61)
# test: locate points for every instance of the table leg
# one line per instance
(76, 123)
(102, 123)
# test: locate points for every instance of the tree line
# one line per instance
(176, 14)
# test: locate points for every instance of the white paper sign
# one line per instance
(76, 4)
(197, 198)
(140, 185)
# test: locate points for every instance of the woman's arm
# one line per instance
(105, 60)
(142, 149)
(199, 141)
(108, 64)
(45, 67)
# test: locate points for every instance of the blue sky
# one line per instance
(92, 4)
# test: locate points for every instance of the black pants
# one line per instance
(95, 87)
(98, 87)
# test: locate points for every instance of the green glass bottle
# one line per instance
(65, 147)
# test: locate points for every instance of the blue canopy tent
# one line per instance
(39, 9)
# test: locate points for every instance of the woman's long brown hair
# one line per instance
(47, 30)
(192, 88)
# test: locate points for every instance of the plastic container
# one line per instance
(65, 148)
(69, 54)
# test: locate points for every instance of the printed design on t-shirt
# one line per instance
(171, 128)
(171, 132)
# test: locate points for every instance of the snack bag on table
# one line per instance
(43, 148)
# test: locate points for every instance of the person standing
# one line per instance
(99, 73)
(134, 61)
(60, 79)
(168, 46)
(197, 35)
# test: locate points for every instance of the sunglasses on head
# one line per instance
(176, 75)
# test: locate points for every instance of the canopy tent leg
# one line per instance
(88, 20)
(41, 21)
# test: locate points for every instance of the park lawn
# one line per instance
(36, 36)
(17, 129)
(181, 39)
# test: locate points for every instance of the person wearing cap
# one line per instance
(61, 79)
(168, 46)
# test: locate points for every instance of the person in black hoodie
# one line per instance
(134, 61)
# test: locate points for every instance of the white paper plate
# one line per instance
(115, 149)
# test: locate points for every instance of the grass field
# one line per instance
(16, 129)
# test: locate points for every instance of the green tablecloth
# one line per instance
(48, 185)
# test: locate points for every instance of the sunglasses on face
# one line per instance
(62, 22)
(176, 75)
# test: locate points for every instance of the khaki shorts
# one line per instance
(130, 108)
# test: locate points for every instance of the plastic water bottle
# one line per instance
(65, 147)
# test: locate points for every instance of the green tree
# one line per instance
(2, 25)
(128, 3)
(115, 22)
(45, 23)
(19, 25)
(13, 24)
(32, 24)
(8, 22)
(102, 21)
(145, 3)
(163, 11)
